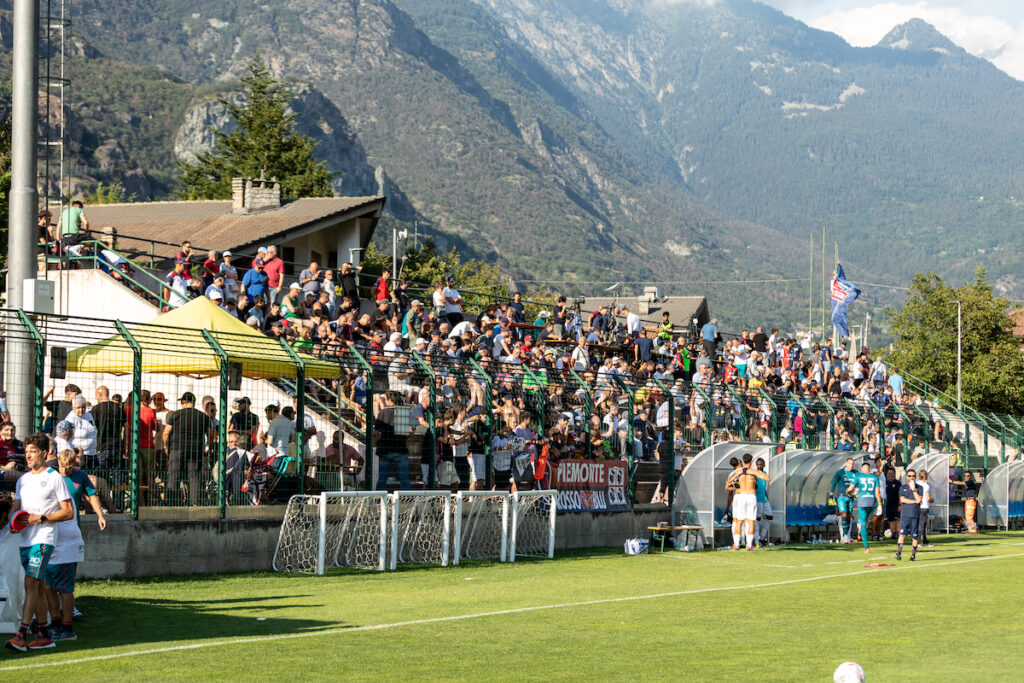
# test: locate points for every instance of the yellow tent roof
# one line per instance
(174, 343)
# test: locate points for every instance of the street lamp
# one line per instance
(959, 353)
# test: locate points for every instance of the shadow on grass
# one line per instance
(117, 622)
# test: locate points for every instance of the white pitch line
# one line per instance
(480, 615)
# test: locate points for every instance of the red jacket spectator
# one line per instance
(381, 291)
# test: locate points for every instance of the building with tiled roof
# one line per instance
(330, 230)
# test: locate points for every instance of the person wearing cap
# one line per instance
(230, 273)
(176, 283)
(244, 421)
(412, 323)
(420, 346)
(186, 434)
(255, 281)
(261, 256)
(216, 287)
(542, 319)
(292, 305)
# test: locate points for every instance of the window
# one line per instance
(288, 256)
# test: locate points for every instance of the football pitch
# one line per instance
(790, 613)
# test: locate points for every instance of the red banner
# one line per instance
(591, 485)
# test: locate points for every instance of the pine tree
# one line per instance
(263, 142)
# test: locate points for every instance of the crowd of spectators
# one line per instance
(609, 374)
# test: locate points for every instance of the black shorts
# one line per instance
(892, 513)
(910, 526)
(503, 479)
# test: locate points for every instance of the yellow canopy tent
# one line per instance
(174, 343)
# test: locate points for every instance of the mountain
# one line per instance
(908, 151)
(696, 144)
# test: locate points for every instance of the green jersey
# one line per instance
(70, 221)
(867, 487)
(843, 480)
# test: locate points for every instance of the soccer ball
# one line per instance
(888, 533)
(848, 672)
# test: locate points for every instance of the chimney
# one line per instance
(237, 194)
(255, 194)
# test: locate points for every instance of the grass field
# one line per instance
(779, 614)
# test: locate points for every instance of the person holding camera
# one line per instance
(311, 278)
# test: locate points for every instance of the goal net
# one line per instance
(333, 529)
(481, 526)
(533, 524)
(420, 527)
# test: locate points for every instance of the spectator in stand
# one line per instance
(280, 430)
(85, 433)
(230, 273)
(111, 423)
(210, 268)
(274, 268)
(633, 324)
(311, 277)
(216, 287)
(185, 435)
(381, 288)
(329, 285)
(12, 455)
(176, 285)
(254, 284)
(73, 226)
(452, 303)
(148, 431)
(292, 305)
(185, 255)
(710, 338)
(348, 279)
(643, 346)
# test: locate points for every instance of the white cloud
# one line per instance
(986, 35)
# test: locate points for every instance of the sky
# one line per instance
(993, 29)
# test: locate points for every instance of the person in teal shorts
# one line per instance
(868, 491)
(841, 482)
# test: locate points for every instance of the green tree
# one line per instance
(926, 342)
(113, 193)
(264, 143)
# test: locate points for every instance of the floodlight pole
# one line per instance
(959, 354)
(21, 234)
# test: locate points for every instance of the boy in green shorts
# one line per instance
(69, 550)
(43, 494)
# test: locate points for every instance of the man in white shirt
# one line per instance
(394, 345)
(42, 493)
(452, 303)
(633, 325)
(580, 357)
(280, 429)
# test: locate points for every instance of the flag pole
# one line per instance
(835, 333)
(823, 284)
(810, 289)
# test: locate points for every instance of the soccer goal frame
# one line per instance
(421, 527)
(333, 529)
(481, 526)
(533, 526)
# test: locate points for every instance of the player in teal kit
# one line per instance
(844, 479)
(868, 491)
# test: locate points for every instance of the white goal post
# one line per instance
(333, 529)
(533, 524)
(481, 525)
(420, 527)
